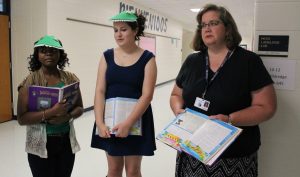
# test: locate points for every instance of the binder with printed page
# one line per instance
(117, 110)
(198, 135)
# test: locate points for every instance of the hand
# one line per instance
(122, 129)
(60, 108)
(179, 111)
(221, 117)
(103, 131)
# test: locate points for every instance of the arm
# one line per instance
(28, 118)
(176, 100)
(143, 102)
(263, 107)
(99, 99)
(56, 114)
(24, 117)
(76, 112)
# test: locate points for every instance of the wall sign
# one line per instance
(283, 72)
(153, 22)
(273, 45)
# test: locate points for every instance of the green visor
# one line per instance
(49, 41)
(124, 16)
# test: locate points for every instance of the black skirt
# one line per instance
(188, 166)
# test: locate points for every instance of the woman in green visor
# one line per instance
(50, 136)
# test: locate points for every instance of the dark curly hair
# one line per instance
(233, 38)
(35, 64)
(139, 25)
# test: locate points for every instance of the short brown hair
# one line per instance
(233, 38)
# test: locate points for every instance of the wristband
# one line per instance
(43, 117)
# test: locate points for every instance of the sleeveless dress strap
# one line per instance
(108, 55)
(147, 55)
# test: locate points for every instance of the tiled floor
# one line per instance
(90, 162)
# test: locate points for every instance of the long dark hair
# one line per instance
(35, 64)
(139, 25)
(233, 37)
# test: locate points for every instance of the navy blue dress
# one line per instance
(127, 82)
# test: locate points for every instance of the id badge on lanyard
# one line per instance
(202, 103)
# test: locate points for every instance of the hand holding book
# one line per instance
(57, 102)
(103, 131)
(58, 113)
(60, 108)
(198, 135)
(116, 112)
(122, 129)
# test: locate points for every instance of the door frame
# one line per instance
(6, 12)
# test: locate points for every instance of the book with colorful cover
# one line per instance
(41, 97)
(117, 110)
(198, 135)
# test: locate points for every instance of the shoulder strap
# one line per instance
(108, 55)
(147, 55)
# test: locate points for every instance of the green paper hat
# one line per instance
(125, 16)
(49, 41)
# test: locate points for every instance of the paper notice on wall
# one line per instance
(282, 72)
(148, 43)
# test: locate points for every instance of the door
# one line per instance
(5, 76)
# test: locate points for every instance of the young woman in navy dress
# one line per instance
(126, 71)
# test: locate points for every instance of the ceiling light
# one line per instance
(195, 10)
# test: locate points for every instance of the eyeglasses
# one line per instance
(211, 23)
(48, 50)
